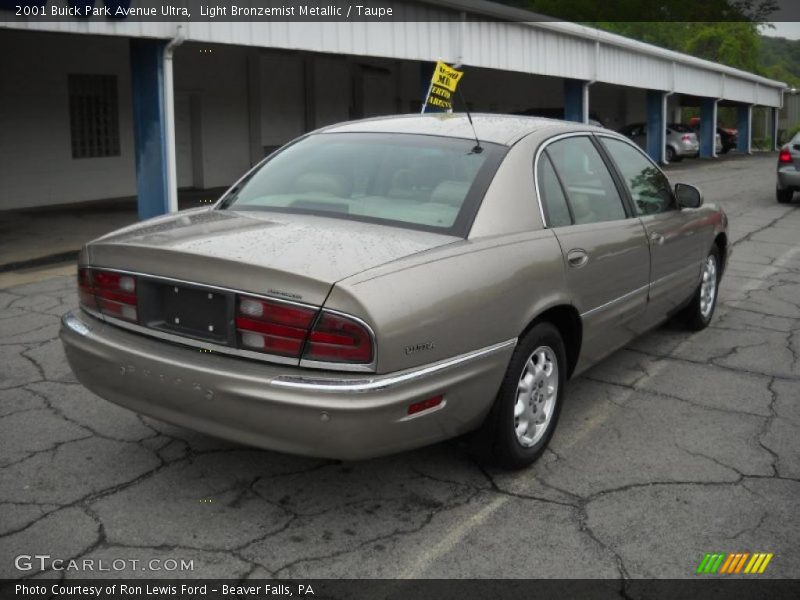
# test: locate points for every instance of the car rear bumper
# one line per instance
(689, 150)
(326, 414)
(788, 178)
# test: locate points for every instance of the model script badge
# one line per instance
(419, 347)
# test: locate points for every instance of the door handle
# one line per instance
(577, 258)
(657, 238)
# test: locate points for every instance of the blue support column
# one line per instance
(708, 127)
(744, 126)
(149, 126)
(656, 124)
(575, 100)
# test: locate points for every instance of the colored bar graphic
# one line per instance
(728, 563)
(701, 567)
(733, 562)
(741, 562)
(766, 562)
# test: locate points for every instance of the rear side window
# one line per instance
(649, 188)
(591, 192)
(552, 196)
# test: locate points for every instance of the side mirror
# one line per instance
(688, 196)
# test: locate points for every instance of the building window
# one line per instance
(93, 115)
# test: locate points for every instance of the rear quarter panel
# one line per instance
(457, 299)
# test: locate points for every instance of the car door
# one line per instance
(675, 244)
(605, 250)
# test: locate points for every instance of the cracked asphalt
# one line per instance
(678, 445)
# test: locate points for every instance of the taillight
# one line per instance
(785, 156)
(272, 327)
(686, 138)
(85, 291)
(337, 338)
(113, 294)
(295, 331)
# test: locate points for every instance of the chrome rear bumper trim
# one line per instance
(339, 386)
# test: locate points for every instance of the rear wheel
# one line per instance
(527, 407)
(671, 156)
(701, 309)
(784, 196)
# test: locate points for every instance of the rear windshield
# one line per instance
(417, 181)
(680, 127)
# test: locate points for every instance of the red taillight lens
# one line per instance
(686, 138)
(785, 156)
(337, 338)
(272, 327)
(285, 329)
(113, 294)
(85, 291)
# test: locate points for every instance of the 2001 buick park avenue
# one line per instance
(384, 284)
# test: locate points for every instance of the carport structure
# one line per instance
(515, 60)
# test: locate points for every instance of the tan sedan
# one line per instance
(384, 284)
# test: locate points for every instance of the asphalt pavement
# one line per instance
(678, 445)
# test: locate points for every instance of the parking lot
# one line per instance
(673, 447)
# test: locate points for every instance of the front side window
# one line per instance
(418, 181)
(649, 188)
(591, 192)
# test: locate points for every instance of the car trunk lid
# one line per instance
(295, 257)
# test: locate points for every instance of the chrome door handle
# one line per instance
(657, 238)
(577, 258)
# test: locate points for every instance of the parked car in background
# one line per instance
(788, 170)
(681, 140)
(384, 284)
(729, 136)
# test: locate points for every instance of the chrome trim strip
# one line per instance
(677, 273)
(373, 384)
(200, 345)
(70, 321)
(658, 281)
(207, 286)
(615, 300)
(230, 350)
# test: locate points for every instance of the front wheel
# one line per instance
(527, 407)
(701, 309)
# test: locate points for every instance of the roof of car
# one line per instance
(499, 129)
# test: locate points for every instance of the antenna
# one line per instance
(477, 149)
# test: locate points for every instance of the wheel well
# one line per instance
(568, 322)
(721, 242)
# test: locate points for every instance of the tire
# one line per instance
(541, 345)
(726, 149)
(700, 311)
(671, 156)
(784, 196)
